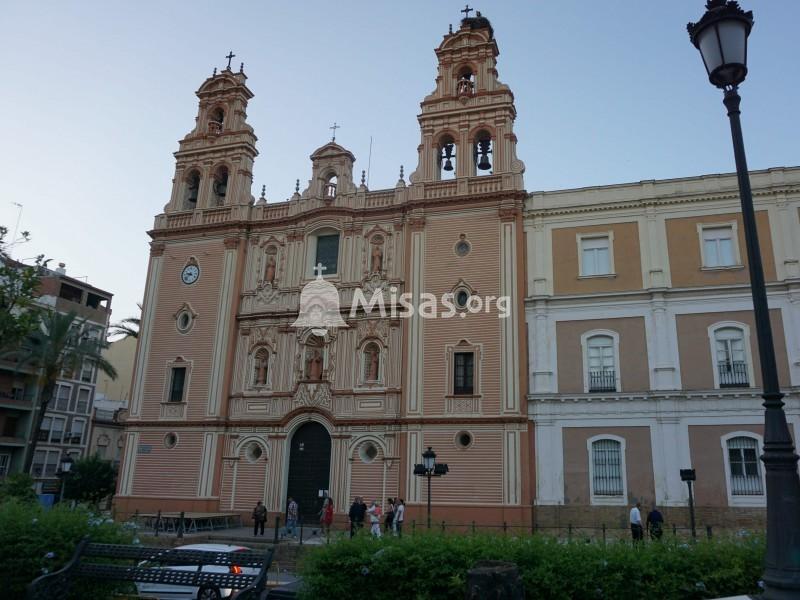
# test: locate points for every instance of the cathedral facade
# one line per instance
(237, 395)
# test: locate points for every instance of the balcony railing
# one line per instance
(602, 381)
(733, 374)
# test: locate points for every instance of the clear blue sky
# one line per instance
(97, 94)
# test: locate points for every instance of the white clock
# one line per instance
(190, 274)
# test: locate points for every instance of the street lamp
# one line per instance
(688, 476)
(721, 37)
(63, 472)
(430, 468)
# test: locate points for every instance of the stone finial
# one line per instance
(215, 72)
(241, 68)
(363, 176)
(263, 191)
(297, 187)
(401, 171)
(450, 30)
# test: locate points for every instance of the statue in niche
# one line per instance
(314, 365)
(377, 259)
(373, 360)
(269, 272)
(261, 366)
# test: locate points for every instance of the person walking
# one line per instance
(399, 517)
(292, 511)
(655, 524)
(388, 520)
(637, 533)
(356, 515)
(259, 518)
(374, 512)
(326, 517)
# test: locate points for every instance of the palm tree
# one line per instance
(127, 328)
(62, 342)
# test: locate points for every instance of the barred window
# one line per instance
(744, 467)
(463, 373)
(607, 468)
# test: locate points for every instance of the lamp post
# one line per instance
(721, 37)
(430, 468)
(63, 472)
(688, 476)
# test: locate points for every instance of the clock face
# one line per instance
(190, 274)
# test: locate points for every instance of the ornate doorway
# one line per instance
(309, 469)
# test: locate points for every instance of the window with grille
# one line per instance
(177, 384)
(62, 397)
(463, 373)
(82, 406)
(718, 247)
(596, 256)
(731, 357)
(327, 253)
(57, 430)
(744, 467)
(602, 372)
(607, 468)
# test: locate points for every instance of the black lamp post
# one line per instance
(430, 468)
(721, 37)
(64, 470)
(688, 476)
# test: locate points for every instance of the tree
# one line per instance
(127, 328)
(19, 486)
(90, 480)
(19, 283)
(61, 342)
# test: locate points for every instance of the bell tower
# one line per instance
(467, 122)
(214, 162)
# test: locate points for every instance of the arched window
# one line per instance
(607, 470)
(465, 82)
(329, 189)
(220, 185)
(216, 119)
(191, 190)
(731, 357)
(481, 153)
(744, 470)
(601, 367)
(261, 367)
(372, 362)
(447, 158)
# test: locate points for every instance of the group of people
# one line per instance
(654, 523)
(392, 520)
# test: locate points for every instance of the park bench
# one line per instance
(56, 585)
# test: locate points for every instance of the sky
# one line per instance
(97, 95)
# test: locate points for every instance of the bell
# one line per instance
(221, 187)
(483, 163)
(448, 154)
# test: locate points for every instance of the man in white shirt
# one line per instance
(399, 517)
(637, 532)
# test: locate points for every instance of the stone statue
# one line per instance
(314, 366)
(377, 259)
(261, 369)
(374, 357)
(269, 274)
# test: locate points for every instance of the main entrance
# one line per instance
(309, 469)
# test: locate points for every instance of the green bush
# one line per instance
(34, 541)
(433, 566)
(19, 486)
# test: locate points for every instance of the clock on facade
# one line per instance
(190, 274)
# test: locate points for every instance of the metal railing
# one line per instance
(733, 374)
(602, 381)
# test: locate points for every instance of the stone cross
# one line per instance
(334, 128)
(230, 57)
(466, 11)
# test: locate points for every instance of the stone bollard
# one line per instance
(494, 579)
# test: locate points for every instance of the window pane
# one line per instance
(463, 373)
(607, 468)
(712, 258)
(602, 265)
(176, 387)
(51, 465)
(744, 467)
(57, 431)
(726, 253)
(328, 253)
(589, 265)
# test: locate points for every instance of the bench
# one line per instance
(56, 585)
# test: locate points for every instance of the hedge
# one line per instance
(34, 541)
(435, 566)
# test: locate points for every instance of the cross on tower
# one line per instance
(230, 57)
(334, 128)
(319, 269)
(466, 11)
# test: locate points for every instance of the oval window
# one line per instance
(368, 452)
(184, 321)
(170, 440)
(253, 452)
(464, 439)
(462, 298)
(463, 248)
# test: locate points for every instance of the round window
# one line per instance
(462, 298)
(170, 440)
(368, 452)
(184, 321)
(464, 439)
(462, 248)
(253, 452)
